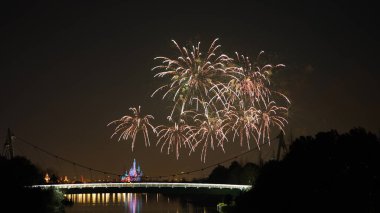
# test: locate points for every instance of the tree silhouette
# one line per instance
(328, 172)
(234, 174)
(17, 174)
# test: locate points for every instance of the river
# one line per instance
(136, 203)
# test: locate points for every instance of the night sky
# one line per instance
(68, 68)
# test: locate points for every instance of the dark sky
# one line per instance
(70, 67)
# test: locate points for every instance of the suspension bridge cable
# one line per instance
(19, 149)
(162, 176)
(212, 165)
(64, 159)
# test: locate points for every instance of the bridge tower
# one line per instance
(8, 148)
(281, 145)
(260, 159)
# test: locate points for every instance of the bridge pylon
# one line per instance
(8, 148)
(281, 145)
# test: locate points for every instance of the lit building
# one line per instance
(133, 175)
(47, 178)
(65, 179)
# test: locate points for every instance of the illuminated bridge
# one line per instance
(183, 188)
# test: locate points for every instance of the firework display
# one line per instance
(214, 99)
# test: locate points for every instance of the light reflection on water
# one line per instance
(129, 202)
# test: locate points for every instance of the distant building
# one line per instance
(47, 178)
(66, 179)
(133, 175)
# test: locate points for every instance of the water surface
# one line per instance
(135, 203)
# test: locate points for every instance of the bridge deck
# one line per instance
(147, 185)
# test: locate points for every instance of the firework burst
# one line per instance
(176, 136)
(129, 125)
(251, 82)
(242, 123)
(210, 130)
(192, 74)
(271, 116)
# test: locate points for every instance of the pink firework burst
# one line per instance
(129, 125)
(176, 136)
